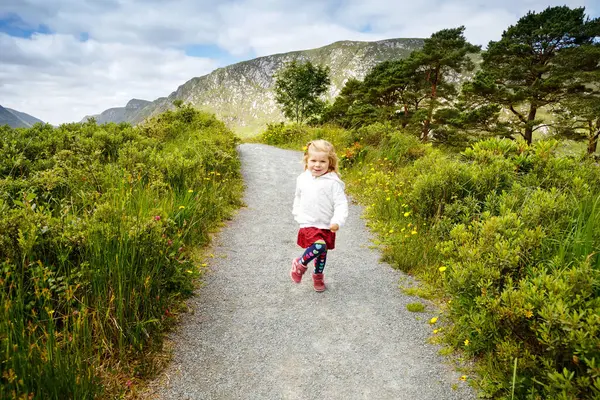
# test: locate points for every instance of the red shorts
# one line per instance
(307, 236)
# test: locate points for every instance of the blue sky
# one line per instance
(61, 60)
(13, 25)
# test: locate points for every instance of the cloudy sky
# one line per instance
(61, 59)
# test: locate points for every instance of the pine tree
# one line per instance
(443, 53)
(538, 62)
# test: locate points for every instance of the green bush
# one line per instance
(297, 136)
(372, 135)
(97, 230)
(511, 234)
(438, 181)
(279, 134)
(524, 278)
(401, 148)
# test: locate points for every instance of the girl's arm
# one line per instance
(340, 206)
(296, 207)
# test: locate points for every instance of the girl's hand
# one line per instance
(334, 227)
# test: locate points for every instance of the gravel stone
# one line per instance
(254, 334)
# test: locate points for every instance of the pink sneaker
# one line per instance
(319, 283)
(297, 270)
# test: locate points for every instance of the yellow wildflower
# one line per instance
(463, 378)
(433, 320)
(191, 191)
(442, 269)
(406, 214)
(413, 232)
(181, 207)
(467, 342)
(528, 314)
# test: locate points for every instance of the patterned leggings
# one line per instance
(318, 252)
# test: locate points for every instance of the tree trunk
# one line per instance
(427, 123)
(425, 131)
(593, 143)
(405, 122)
(529, 127)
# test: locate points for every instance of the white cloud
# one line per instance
(278, 31)
(136, 47)
(59, 79)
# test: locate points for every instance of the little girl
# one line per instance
(320, 207)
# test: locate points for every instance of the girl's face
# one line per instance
(317, 162)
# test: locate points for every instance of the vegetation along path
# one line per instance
(254, 334)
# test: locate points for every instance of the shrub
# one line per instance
(278, 134)
(97, 227)
(372, 135)
(517, 233)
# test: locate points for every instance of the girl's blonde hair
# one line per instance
(325, 147)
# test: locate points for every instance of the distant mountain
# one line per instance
(120, 114)
(16, 119)
(31, 120)
(242, 94)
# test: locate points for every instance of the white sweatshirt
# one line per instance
(320, 201)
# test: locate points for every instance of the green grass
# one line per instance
(415, 307)
(421, 292)
(100, 248)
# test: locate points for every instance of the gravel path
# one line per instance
(256, 335)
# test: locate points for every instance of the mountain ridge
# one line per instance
(119, 114)
(17, 119)
(241, 94)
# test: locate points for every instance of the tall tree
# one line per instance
(407, 91)
(298, 87)
(396, 84)
(350, 109)
(579, 119)
(579, 113)
(537, 62)
(445, 52)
